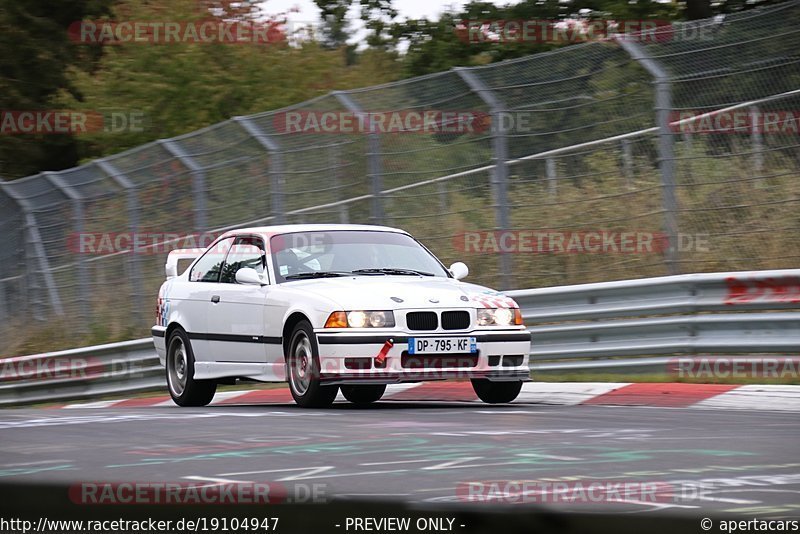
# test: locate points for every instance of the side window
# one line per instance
(246, 252)
(209, 266)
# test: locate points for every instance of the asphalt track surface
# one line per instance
(744, 462)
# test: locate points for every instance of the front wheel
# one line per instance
(496, 392)
(183, 388)
(304, 370)
(366, 394)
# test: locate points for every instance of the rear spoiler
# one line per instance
(180, 254)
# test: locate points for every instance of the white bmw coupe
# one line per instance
(330, 307)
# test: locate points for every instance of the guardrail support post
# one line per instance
(758, 140)
(333, 164)
(276, 170)
(374, 170)
(499, 172)
(552, 177)
(198, 182)
(3, 306)
(77, 223)
(666, 142)
(627, 162)
(37, 258)
(132, 207)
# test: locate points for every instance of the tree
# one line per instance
(335, 26)
(36, 57)
(184, 87)
(435, 45)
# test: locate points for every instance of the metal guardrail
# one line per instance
(90, 372)
(619, 326)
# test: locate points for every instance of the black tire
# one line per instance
(496, 392)
(303, 370)
(365, 394)
(182, 386)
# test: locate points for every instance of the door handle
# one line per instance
(215, 299)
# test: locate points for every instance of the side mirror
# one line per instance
(459, 270)
(249, 276)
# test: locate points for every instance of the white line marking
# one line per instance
(396, 462)
(217, 480)
(96, 404)
(447, 465)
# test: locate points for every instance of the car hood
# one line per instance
(400, 292)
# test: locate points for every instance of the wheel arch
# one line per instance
(174, 325)
(289, 325)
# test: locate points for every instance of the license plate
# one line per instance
(442, 345)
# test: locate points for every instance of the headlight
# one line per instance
(360, 319)
(499, 317)
(356, 319)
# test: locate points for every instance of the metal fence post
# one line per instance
(627, 162)
(78, 217)
(552, 177)
(374, 170)
(132, 207)
(757, 139)
(688, 160)
(6, 273)
(666, 149)
(3, 305)
(500, 170)
(198, 182)
(333, 164)
(37, 257)
(276, 170)
(441, 188)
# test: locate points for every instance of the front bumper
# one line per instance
(502, 355)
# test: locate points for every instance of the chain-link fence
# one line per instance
(615, 159)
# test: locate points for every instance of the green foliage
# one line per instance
(185, 87)
(177, 88)
(36, 57)
(435, 45)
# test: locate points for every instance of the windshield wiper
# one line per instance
(315, 274)
(389, 270)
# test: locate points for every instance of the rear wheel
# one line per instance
(304, 370)
(366, 394)
(183, 388)
(496, 392)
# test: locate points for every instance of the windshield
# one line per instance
(347, 252)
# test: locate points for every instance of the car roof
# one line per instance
(292, 228)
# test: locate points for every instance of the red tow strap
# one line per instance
(381, 357)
